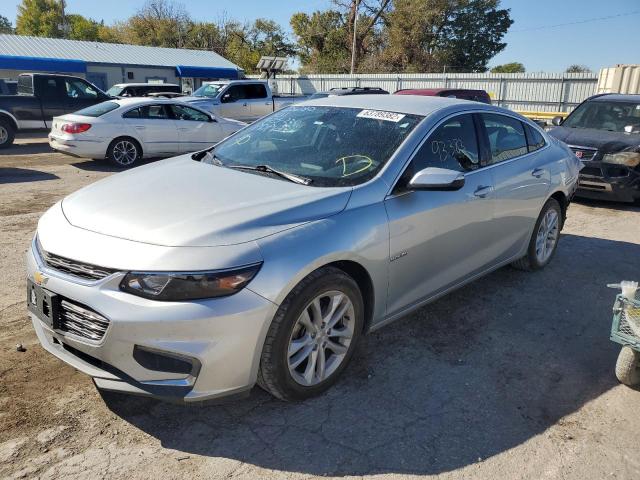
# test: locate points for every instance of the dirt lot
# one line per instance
(510, 377)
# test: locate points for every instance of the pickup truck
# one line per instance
(245, 100)
(40, 97)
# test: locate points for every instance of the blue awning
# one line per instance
(206, 72)
(10, 62)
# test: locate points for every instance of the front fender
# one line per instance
(360, 235)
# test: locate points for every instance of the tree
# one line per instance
(403, 35)
(81, 28)
(159, 23)
(575, 68)
(513, 67)
(5, 25)
(40, 18)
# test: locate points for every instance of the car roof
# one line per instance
(434, 91)
(145, 84)
(616, 97)
(407, 104)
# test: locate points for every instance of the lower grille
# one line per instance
(81, 321)
(591, 171)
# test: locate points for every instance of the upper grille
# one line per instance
(584, 153)
(81, 321)
(73, 267)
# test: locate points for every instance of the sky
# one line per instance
(539, 38)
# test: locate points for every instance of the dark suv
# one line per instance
(604, 132)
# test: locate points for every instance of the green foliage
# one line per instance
(513, 67)
(40, 18)
(575, 68)
(403, 35)
(5, 25)
(81, 28)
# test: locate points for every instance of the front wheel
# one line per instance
(124, 152)
(7, 133)
(312, 336)
(628, 366)
(544, 239)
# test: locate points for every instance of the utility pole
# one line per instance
(355, 37)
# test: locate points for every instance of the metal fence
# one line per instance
(545, 92)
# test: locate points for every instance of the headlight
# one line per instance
(630, 159)
(179, 286)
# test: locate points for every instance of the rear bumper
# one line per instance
(78, 148)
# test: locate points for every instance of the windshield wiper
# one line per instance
(267, 169)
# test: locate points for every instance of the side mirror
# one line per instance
(212, 119)
(226, 98)
(557, 120)
(433, 178)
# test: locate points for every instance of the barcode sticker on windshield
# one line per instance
(380, 115)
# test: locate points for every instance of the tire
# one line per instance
(124, 152)
(277, 374)
(628, 366)
(7, 133)
(534, 259)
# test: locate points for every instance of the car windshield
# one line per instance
(606, 115)
(331, 146)
(209, 90)
(115, 91)
(97, 110)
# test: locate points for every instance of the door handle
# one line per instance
(483, 190)
(538, 172)
(183, 129)
(140, 127)
(244, 104)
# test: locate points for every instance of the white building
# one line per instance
(106, 64)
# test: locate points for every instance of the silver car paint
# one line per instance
(414, 247)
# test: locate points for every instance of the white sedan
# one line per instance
(125, 130)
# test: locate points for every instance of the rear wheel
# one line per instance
(544, 239)
(313, 336)
(124, 152)
(7, 133)
(628, 366)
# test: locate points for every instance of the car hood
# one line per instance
(202, 102)
(606, 142)
(183, 202)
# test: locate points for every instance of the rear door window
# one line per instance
(535, 139)
(154, 112)
(257, 90)
(506, 137)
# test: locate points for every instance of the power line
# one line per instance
(588, 20)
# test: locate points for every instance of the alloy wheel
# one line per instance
(125, 153)
(4, 135)
(320, 338)
(547, 236)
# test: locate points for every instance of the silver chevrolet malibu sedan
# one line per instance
(266, 257)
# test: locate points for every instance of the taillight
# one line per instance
(75, 127)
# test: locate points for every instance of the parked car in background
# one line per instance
(266, 257)
(164, 94)
(8, 87)
(141, 89)
(464, 94)
(604, 132)
(125, 130)
(246, 100)
(349, 91)
(40, 98)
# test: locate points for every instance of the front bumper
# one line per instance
(601, 181)
(222, 336)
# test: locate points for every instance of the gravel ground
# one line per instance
(509, 377)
